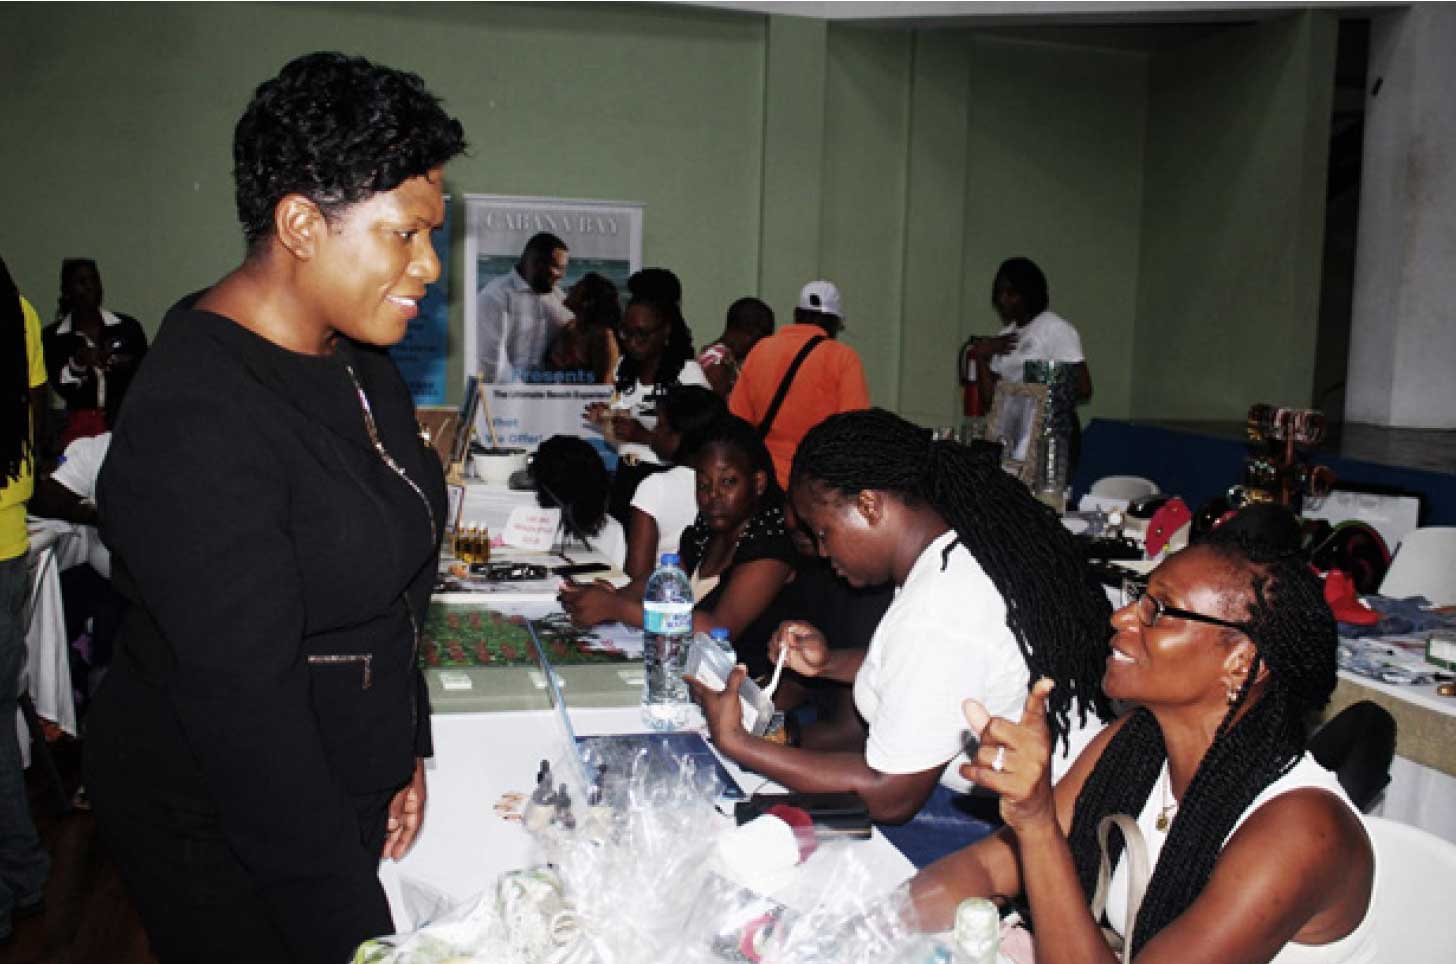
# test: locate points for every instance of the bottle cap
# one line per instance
(718, 632)
(669, 559)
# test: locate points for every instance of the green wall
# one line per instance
(903, 164)
(1233, 221)
(1057, 142)
(129, 111)
(948, 152)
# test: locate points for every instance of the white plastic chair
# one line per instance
(1116, 492)
(1424, 565)
(1415, 873)
(1129, 487)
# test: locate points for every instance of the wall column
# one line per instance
(1402, 369)
(793, 159)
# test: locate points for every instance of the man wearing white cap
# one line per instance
(799, 376)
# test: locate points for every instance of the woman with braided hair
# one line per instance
(1257, 854)
(991, 593)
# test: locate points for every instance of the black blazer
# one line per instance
(278, 567)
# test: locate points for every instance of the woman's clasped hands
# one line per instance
(1014, 760)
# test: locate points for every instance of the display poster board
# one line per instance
(421, 355)
(525, 415)
(601, 236)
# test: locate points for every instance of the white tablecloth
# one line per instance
(47, 674)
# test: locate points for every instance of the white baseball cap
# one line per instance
(821, 296)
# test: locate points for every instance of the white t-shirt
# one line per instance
(514, 325)
(671, 498)
(611, 542)
(1047, 337)
(640, 402)
(82, 464)
(943, 640)
(78, 472)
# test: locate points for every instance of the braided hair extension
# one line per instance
(1294, 634)
(16, 447)
(677, 352)
(1054, 606)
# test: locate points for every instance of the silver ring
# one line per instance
(999, 763)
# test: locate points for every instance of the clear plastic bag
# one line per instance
(637, 874)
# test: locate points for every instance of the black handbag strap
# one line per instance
(778, 399)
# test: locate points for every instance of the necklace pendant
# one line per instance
(1163, 821)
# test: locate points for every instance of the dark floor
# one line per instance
(88, 917)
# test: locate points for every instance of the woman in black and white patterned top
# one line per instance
(737, 551)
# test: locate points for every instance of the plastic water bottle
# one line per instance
(667, 627)
(719, 636)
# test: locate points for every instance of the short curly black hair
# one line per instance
(335, 129)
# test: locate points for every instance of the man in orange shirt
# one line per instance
(828, 379)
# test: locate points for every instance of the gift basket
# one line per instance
(642, 865)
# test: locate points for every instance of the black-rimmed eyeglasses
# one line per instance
(1149, 608)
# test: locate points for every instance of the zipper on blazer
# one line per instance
(373, 430)
(341, 659)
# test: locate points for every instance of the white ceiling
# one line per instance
(992, 14)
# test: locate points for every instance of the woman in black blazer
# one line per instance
(274, 521)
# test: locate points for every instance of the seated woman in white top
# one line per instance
(569, 475)
(1257, 854)
(992, 592)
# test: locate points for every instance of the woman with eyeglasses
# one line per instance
(657, 353)
(1256, 852)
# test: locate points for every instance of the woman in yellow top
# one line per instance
(23, 862)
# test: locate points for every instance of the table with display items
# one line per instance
(495, 719)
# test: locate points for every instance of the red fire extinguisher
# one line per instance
(970, 392)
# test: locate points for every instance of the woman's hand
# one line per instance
(807, 647)
(596, 413)
(406, 813)
(722, 709)
(1014, 759)
(987, 348)
(589, 605)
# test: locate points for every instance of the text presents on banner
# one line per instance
(524, 416)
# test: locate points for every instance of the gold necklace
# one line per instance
(1165, 815)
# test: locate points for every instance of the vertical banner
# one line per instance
(421, 355)
(600, 236)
